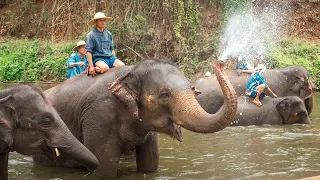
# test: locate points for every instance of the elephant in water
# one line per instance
(289, 81)
(275, 111)
(30, 125)
(120, 110)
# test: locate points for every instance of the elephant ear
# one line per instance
(7, 123)
(284, 108)
(127, 90)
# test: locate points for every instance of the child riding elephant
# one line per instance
(256, 86)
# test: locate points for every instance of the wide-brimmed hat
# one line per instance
(99, 15)
(207, 74)
(80, 43)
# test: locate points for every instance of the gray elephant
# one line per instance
(30, 125)
(120, 110)
(289, 81)
(275, 111)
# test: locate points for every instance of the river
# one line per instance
(267, 152)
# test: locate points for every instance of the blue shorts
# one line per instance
(242, 67)
(108, 60)
(253, 94)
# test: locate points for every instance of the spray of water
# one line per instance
(250, 35)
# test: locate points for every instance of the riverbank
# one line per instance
(24, 60)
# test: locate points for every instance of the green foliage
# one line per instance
(293, 52)
(231, 6)
(22, 60)
(186, 20)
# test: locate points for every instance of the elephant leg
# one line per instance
(309, 104)
(147, 155)
(4, 166)
(104, 143)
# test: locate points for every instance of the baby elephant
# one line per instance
(275, 111)
(30, 125)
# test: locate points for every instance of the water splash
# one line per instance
(250, 35)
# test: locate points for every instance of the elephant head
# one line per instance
(161, 98)
(292, 110)
(30, 125)
(300, 81)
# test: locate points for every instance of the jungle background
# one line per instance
(37, 36)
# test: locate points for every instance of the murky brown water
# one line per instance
(268, 152)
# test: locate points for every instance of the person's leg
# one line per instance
(249, 71)
(259, 90)
(101, 67)
(118, 63)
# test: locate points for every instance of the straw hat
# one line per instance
(261, 68)
(80, 43)
(207, 74)
(99, 15)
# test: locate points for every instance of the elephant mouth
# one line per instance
(52, 152)
(175, 130)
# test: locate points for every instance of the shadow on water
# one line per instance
(267, 152)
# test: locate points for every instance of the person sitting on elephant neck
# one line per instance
(77, 62)
(100, 48)
(243, 66)
(256, 86)
(194, 88)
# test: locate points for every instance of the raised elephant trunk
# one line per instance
(189, 114)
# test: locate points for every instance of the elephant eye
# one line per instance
(165, 95)
(301, 113)
(45, 123)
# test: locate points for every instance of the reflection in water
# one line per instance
(268, 152)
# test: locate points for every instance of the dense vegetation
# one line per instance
(186, 31)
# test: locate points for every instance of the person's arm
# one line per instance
(89, 47)
(90, 64)
(72, 62)
(271, 92)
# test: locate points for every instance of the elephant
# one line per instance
(123, 109)
(30, 125)
(275, 111)
(289, 81)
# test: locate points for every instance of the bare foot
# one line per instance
(197, 91)
(257, 102)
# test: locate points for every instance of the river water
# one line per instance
(267, 152)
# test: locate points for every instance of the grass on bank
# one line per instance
(297, 52)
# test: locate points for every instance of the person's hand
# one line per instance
(275, 96)
(80, 63)
(91, 70)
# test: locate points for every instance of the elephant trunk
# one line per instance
(4, 165)
(72, 147)
(189, 114)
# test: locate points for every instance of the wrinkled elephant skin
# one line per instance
(274, 111)
(122, 109)
(30, 125)
(289, 81)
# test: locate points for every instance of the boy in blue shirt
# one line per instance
(100, 47)
(256, 86)
(242, 65)
(77, 61)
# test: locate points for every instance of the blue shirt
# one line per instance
(242, 63)
(74, 58)
(100, 44)
(256, 80)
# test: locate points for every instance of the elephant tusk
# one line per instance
(57, 151)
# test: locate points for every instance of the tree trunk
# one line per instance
(4, 166)
(98, 6)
